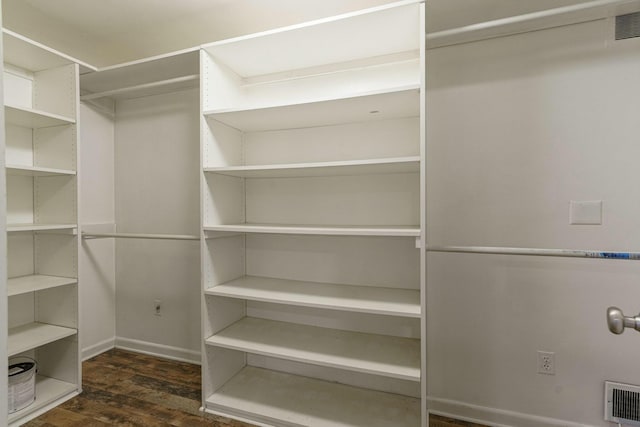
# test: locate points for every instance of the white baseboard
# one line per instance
(96, 349)
(158, 350)
(492, 416)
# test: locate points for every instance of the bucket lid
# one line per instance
(19, 368)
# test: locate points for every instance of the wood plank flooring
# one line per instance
(122, 388)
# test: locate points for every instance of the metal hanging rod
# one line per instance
(139, 236)
(571, 253)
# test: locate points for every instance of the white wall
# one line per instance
(158, 191)
(517, 127)
(97, 210)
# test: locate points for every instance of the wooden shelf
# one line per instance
(337, 168)
(26, 284)
(33, 56)
(390, 104)
(48, 391)
(328, 230)
(362, 299)
(351, 36)
(384, 355)
(40, 227)
(33, 335)
(31, 118)
(276, 398)
(37, 171)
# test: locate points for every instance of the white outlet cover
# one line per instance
(546, 362)
(587, 212)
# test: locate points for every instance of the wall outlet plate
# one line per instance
(546, 362)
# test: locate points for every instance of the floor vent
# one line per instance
(628, 26)
(622, 403)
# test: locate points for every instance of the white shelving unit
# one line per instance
(33, 335)
(41, 109)
(36, 171)
(356, 108)
(32, 118)
(276, 398)
(362, 299)
(37, 282)
(337, 168)
(406, 231)
(39, 227)
(149, 76)
(313, 261)
(369, 353)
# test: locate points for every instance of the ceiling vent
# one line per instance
(628, 26)
(622, 403)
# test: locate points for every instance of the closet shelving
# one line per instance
(313, 282)
(41, 107)
(318, 229)
(36, 171)
(374, 354)
(149, 76)
(394, 302)
(337, 168)
(32, 118)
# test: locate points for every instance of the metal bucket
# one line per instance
(22, 383)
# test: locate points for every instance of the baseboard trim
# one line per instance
(99, 348)
(158, 350)
(492, 416)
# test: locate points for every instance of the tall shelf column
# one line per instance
(313, 260)
(41, 107)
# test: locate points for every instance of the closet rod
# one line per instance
(139, 236)
(160, 83)
(550, 18)
(572, 253)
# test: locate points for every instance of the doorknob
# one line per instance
(617, 321)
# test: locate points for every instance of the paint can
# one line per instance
(22, 383)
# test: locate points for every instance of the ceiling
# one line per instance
(104, 32)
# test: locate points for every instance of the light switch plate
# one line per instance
(587, 212)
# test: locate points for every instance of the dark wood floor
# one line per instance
(130, 389)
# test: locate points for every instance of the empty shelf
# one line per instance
(277, 398)
(37, 171)
(351, 36)
(48, 390)
(33, 56)
(25, 284)
(363, 299)
(392, 104)
(39, 227)
(32, 118)
(33, 335)
(337, 168)
(148, 76)
(328, 230)
(355, 351)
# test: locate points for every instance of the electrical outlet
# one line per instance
(546, 362)
(157, 306)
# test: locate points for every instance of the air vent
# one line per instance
(628, 26)
(622, 403)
